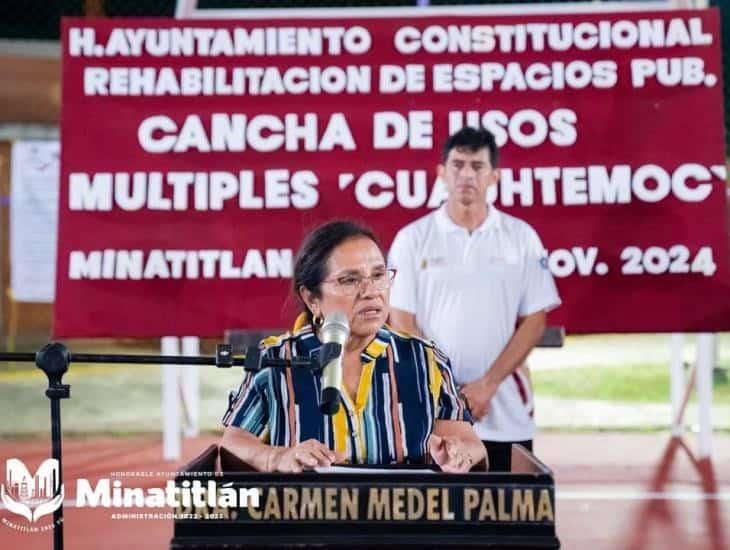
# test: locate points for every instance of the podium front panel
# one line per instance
(399, 506)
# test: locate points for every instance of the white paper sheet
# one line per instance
(34, 186)
(356, 470)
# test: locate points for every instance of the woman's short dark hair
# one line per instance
(310, 264)
(472, 139)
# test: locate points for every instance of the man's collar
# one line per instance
(447, 225)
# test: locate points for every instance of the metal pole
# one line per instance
(190, 386)
(54, 360)
(676, 381)
(119, 359)
(171, 425)
(56, 453)
(705, 365)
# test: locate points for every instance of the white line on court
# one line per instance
(690, 496)
(679, 496)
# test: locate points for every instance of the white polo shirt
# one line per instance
(467, 292)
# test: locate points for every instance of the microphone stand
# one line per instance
(54, 360)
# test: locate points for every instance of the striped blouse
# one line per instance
(406, 384)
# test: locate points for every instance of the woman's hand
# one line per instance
(305, 456)
(450, 453)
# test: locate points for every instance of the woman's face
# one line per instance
(357, 284)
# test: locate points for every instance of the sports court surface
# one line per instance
(613, 491)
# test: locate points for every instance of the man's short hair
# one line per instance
(472, 139)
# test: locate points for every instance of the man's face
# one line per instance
(468, 175)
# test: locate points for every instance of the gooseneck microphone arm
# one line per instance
(251, 360)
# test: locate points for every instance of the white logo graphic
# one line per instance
(32, 496)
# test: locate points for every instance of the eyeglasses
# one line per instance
(351, 284)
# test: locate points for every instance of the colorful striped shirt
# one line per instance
(406, 384)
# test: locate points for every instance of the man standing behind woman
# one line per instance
(475, 280)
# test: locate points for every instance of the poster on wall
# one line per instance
(34, 179)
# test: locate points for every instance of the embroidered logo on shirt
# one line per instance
(433, 262)
(507, 258)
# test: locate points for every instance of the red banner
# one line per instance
(196, 155)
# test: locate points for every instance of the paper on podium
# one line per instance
(361, 470)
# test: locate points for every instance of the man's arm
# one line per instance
(404, 321)
(528, 334)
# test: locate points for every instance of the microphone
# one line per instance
(334, 332)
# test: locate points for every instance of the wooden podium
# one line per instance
(382, 506)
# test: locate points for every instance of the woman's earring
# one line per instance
(317, 320)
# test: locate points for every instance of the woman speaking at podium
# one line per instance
(399, 401)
